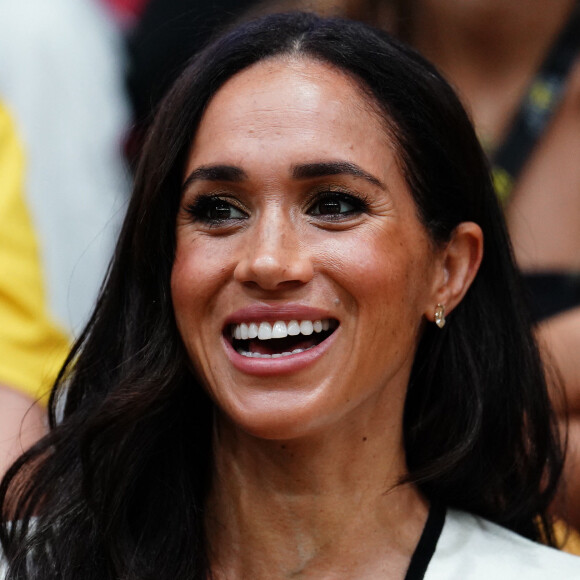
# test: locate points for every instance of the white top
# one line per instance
(472, 548)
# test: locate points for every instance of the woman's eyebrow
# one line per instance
(325, 168)
(215, 173)
(231, 173)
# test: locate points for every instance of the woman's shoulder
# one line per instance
(472, 548)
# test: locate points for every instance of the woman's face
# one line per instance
(296, 225)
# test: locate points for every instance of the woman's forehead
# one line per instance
(293, 99)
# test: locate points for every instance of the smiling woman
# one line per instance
(268, 386)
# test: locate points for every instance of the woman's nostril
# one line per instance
(270, 272)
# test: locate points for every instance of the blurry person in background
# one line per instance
(62, 191)
(516, 66)
(31, 345)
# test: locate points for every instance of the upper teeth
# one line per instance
(280, 329)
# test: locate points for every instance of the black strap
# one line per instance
(427, 543)
(537, 108)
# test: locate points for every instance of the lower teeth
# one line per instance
(275, 355)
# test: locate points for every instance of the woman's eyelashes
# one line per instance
(217, 210)
(335, 205)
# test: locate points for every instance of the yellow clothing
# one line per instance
(567, 538)
(32, 346)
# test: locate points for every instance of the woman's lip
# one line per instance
(281, 365)
(272, 313)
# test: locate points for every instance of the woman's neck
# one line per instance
(489, 49)
(306, 508)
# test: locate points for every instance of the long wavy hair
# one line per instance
(118, 486)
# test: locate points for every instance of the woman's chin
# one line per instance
(279, 423)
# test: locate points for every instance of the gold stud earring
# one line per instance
(440, 315)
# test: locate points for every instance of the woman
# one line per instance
(268, 386)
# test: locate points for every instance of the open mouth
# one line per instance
(280, 338)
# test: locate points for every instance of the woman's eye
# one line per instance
(336, 204)
(222, 210)
(215, 210)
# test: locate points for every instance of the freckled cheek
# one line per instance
(192, 303)
(182, 302)
(196, 278)
(365, 268)
(379, 284)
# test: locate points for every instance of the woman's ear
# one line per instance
(458, 263)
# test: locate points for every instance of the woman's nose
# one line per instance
(274, 256)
